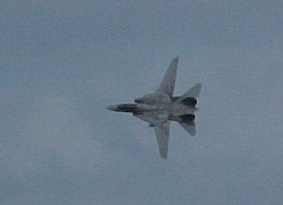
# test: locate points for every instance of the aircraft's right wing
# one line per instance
(162, 136)
(167, 84)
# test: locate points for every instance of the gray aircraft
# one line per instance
(160, 107)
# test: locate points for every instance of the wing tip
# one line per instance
(176, 59)
(174, 63)
(198, 87)
(164, 154)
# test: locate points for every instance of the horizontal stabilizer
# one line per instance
(188, 123)
(194, 91)
(191, 94)
(189, 127)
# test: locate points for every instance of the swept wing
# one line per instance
(162, 136)
(167, 84)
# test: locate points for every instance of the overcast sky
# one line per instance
(63, 61)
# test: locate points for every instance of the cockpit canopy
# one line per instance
(153, 98)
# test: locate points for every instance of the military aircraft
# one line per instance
(160, 107)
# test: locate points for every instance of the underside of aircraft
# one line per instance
(160, 107)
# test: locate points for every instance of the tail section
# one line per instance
(190, 99)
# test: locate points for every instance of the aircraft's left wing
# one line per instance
(167, 84)
(162, 136)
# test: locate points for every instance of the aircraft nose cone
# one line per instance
(112, 107)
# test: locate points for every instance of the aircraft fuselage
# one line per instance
(160, 107)
(171, 110)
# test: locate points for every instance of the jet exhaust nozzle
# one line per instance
(138, 100)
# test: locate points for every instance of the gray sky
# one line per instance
(63, 61)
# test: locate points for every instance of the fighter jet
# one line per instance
(160, 107)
